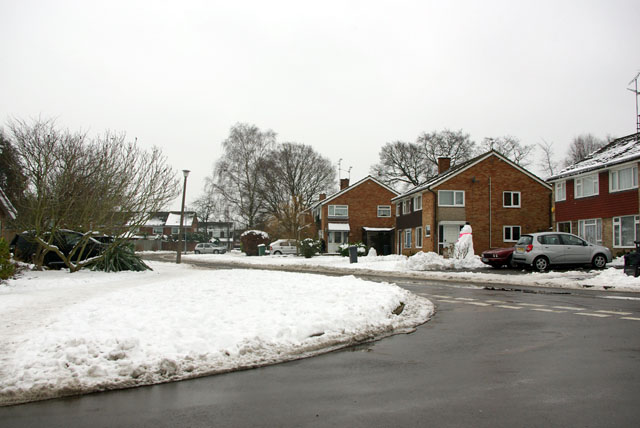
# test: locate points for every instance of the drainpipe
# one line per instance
(434, 232)
(490, 228)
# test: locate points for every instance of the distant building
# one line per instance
(167, 223)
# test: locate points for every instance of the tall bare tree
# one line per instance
(549, 164)
(292, 175)
(581, 147)
(12, 180)
(455, 145)
(510, 147)
(105, 184)
(236, 174)
(402, 165)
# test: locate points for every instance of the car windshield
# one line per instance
(525, 240)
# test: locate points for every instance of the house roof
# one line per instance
(452, 172)
(170, 219)
(6, 205)
(618, 151)
(353, 186)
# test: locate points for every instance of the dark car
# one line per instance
(24, 247)
(499, 257)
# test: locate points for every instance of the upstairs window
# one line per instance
(338, 210)
(561, 191)
(451, 198)
(623, 179)
(384, 210)
(406, 206)
(586, 186)
(398, 209)
(417, 203)
(511, 199)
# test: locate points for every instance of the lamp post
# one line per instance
(181, 230)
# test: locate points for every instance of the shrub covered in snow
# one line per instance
(309, 247)
(6, 266)
(251, 239)
(120, 257)
(344, 249)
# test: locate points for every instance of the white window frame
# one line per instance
(331, 210)
(518, 205)
(614, 178)
(597, 222)
(398, 209)
(417, 203)
(455, 193)
(562, 222)
(386, 209)
(158, 230)
(407, 238)
(175, 230)
(561, 191)
(427, 231)
(510, 229)
(418, 237)
(579, 189)
(406, 206)
(617, 231)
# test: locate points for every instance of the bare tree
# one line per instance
(581, 147)
(104, 184)
(452, 144)
(292, 175)
(402, 165)
(548, 164)
(510, 147)
(12, 180)
(236, 174)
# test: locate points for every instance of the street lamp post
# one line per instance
(181, 230)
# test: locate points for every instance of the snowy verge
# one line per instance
(66, 334)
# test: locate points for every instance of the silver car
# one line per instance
(284, 246)
(209, 248)
(541, 250)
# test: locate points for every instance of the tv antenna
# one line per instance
(342, 170)
(635, 91)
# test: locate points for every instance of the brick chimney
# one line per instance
(443, 164)
(322, 197)
(344, 183)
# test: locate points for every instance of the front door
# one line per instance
(336, 238)
(448, 235)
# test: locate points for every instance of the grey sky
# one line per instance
(342, 76)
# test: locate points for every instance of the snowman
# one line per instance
(464, 245)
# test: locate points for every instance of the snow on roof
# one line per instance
(378, 229)
(7, 206)
(344, 227)
(173, 219)
(618, 151)
(353, 186)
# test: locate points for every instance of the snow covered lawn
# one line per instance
(64, 334)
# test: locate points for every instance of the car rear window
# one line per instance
(525, 240)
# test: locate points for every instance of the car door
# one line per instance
(577, 251)
(551, 247)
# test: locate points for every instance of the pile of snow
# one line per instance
(65, 334)
(432, 261)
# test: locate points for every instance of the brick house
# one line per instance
(168, 223)
(7, 214)
(597, 198)
(357, 213)
(497, 197)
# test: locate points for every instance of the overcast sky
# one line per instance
(343, 76)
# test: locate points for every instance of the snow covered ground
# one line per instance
(433, 266)
(64, 334)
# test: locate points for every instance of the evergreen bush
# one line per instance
(120, 257)
(309, 247)
(7, 268)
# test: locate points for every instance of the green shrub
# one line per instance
(119, 257)
(309, 247)
(7, 268)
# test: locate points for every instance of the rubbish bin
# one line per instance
(632, 262)
(262, 249)
(353, 254)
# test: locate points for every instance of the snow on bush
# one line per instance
(433, 261)
(251, 239)
(344, 249)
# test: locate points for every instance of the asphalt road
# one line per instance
(489, 358)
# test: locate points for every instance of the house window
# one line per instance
(591, 230)
(623, 179)
(427, 231)
(158, 230)
(451, 198)
(417, 203)
(561, 191)
(586, 186)
(407, 238)
(626, 230)
(175, 230)
(338, 210)
(398, 210)
(511, 199)
(418, 237)
(564, 226)
(406, 206)
(384, 210)
(510, 233)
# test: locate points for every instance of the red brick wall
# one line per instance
(603, 205)
(363, 202)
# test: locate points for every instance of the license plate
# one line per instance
(519, 249)
(484, 259)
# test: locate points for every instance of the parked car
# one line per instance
(24, 247)
(284, 246)
(541, 250)
(210, 248)
(499, 257)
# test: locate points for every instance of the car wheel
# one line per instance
(511, 263)
(277, 253)
(197, 251)
(216, 252)
(541, 264)
(599, 261)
